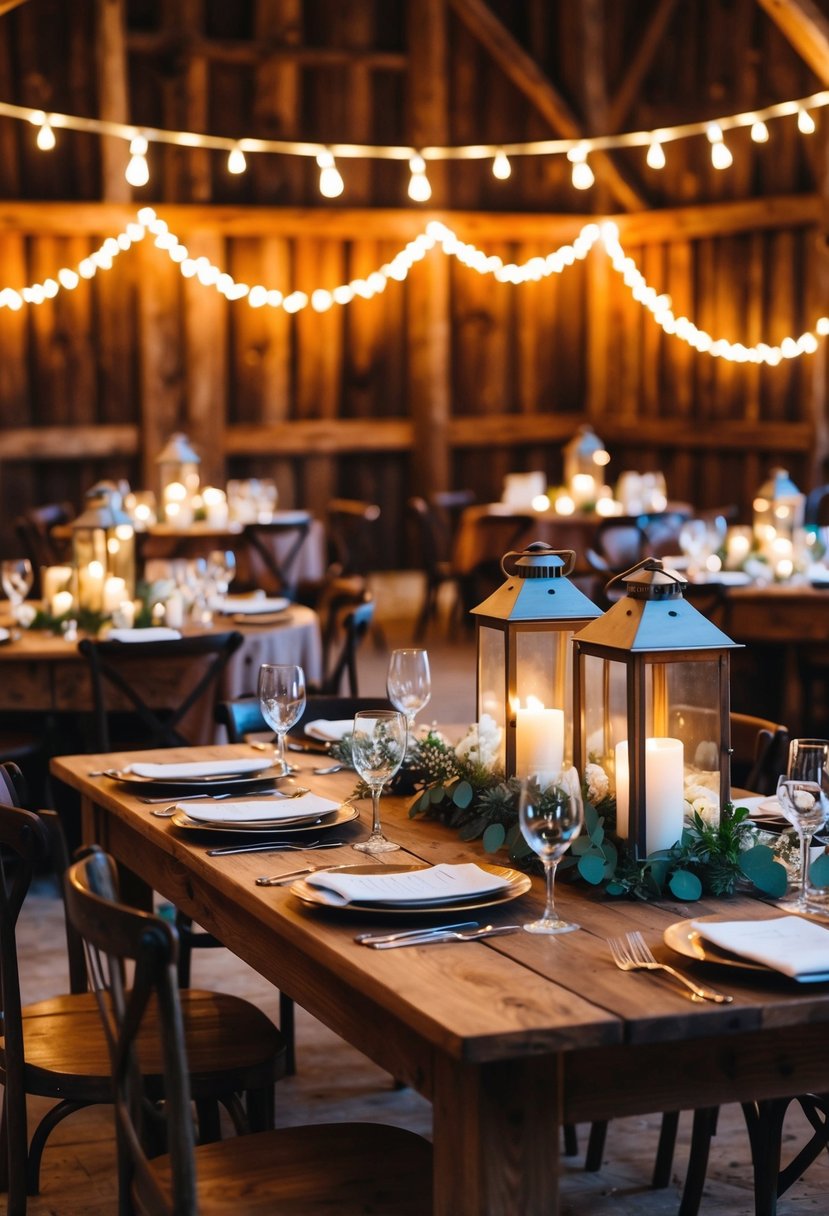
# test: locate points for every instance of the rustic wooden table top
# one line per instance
(508, 1037)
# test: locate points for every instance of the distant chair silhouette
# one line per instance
(34, 531)
(433, 544)
(816, 507)
(273, 549)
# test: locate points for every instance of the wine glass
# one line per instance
(409, 684)
(805, 804)
(378, 745)
(282, 700)
(550, 817)
(17, 577)
(221, 570)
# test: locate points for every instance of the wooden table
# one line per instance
(508, 1037)
(40, 671)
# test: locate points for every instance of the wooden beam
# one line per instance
(649, 42)
(262, 52)
(319, 436)
(112, 92)
(67, 442)
(528, 77)
(6, 6)
(685, 223)
(807, 29)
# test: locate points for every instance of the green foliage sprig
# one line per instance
(482, 804)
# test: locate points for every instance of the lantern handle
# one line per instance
(647, 563)
(568, 554)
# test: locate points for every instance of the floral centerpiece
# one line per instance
(463, 787)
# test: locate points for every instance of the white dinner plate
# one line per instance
(241, 781)
(682, 938)
(332, 819)
(4, 635)
(519, 884)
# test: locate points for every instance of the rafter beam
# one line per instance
(806, 28)
(640, 64)
(528, 77)
(7, 5)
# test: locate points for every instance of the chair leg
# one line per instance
(704, 1127)
(595, 1146)
(571, 1140)
(287, 1024)
(764, 1121)
(816, 1110)
(41, 1134)
(665, 1150)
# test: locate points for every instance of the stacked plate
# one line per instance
(413, 889)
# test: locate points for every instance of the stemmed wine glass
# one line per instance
(409, 684)
(282, 700)
(551, 816)
(805, 803)
(17, 577)
(378, 745)
(221, 570)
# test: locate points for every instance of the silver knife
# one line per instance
(447, 935)
(369, 939)
(272, 846)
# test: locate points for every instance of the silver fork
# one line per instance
(632, 953)
(445, 935)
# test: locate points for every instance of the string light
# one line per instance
(436, 234)
(45, 138)
(582, 174)
(655, 158)
(236, 162)
(137, 171)
(420, 190)
(331, 182)
(759, 131)
(501, 168)
(805, 122)
(721, 157)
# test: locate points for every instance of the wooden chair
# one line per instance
(343, 1168)
(816, 507)
(191, 668)
(433, 546)
(56, 1048)
(352, 535)
(34, 530)
(273, 549)
(759, 753)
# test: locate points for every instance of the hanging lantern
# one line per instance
(585, 458)
(778, 510)
(525, 666)
(178, 467)
(103, 552)
(652, 706)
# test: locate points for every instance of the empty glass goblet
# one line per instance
(282, 700)
(551, 816)
(221, 570)
(17, 577)
(378, 745)
(805, 804)
(409, 684)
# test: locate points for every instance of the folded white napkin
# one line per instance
(252, 606)
(308, 806)
(153, 633)
(329, 732)
(198, 768)
(797, 947)
(429, 885)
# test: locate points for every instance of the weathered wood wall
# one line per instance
(448, 378)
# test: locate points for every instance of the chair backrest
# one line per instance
(431, 543)
(34, 530)
(244, 717)
(168, 689)
(816, 507)
(447, 506)
(759, 753)
(272, 551)
(347, 626)
(352, 534)
(116, 935)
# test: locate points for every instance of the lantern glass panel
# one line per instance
(604, 697)
(491, 679)
(544, 672)
(690, 711)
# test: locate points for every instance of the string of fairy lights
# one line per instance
(435, 234)
(138, 140)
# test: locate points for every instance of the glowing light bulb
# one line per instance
(138, 171)
(236, 162)
(501, 168)
(420, 190)
(759, 131)
(582, 174)
(805, 122)
(655, 158)
(331, 182)
(721, 157)
(45, 136)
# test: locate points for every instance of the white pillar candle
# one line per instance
(91, 587)
(539, 741)
(174, 611)
(54, 579)
(215, 506)
(664, 792)
(115, 592)
(61, 603)
(124, 615)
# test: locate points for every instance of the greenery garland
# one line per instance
(461, 789)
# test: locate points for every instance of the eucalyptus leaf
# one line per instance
(581, 845)
(591, 868)
(685, 885)
(819, 871)
(591, 819)
(768, 875)
(462, 794)
(474, 828)
(494, 837)
(437, 795)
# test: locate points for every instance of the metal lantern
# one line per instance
(652, 705)
(525, 666)
(178, 470)
(585, 457)
(103, 551)
(778, 510)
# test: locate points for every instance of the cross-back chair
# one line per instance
(352, 535)
(433, 546)
(344, 1167)
(124, 673)
(272, 552)
(34, 530)
(55, 1048)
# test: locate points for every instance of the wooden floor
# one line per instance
(335, 1082)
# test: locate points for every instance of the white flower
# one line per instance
(702, 801)
(24, 614)
(482, 743)
(597, 781)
